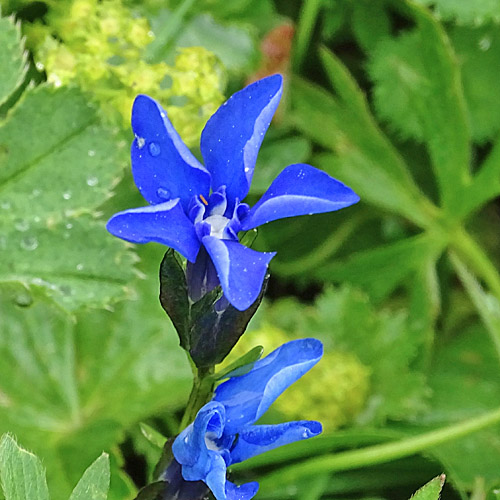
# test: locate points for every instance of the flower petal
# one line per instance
(190, 446)
(232, 137)
(241, 270)
(299, 190)
(247, 398)
(162, 165)
(256, 439)
(165, 223)
(243, 492)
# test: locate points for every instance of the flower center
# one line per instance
(217, 225)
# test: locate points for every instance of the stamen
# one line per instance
(202, 198)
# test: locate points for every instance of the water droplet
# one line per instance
(164, 194)
(154, 149)
(23, 299)
(29, 243)
(21, 225)
(92, 181)
(5, 205)
(140, 142)
(485, 43)
(91, 152)
(69, 225)
(79, 267)
(35, 193)
(36, 218)
(39, 66)
(66, 195)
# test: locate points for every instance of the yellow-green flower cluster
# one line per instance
(99, 45)
(334, 393)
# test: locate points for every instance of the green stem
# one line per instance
(308, 14)
(472, 253)
(378, 454)
(201, 394)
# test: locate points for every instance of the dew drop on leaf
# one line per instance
(21, 225)
(66, 195)
(91, 152)
(92, 181)
(29, 243)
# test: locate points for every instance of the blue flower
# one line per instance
(198, 211)
(223, 432)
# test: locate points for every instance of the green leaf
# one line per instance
(381, 269)
(464, 382)
(274, 157)
(370, 23)
(22, 475)
(153, 436)
(242, 365)
(432, 490)
(364, 159)
(50, 188)
(12, 59)
(475, 12)
(418, 92)
(478, 52)
(94, 484)
(70, 390)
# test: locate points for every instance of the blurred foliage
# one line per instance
(395, 98)
(101, 47)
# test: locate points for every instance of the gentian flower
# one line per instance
(198, 211)
(223, 432)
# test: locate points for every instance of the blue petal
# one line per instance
(256, 439)
(247, 398)
(232, 137)
(165, 223)
(190, 446)
(299, 190)
(162, 165)
(243, 492)
(241, 271)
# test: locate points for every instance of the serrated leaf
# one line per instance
(430, 491)
(364, 159)
(67, 169)
(370, 23)
(12, 58)
(69, 390)
(22, 475)
(94, 484)
(473, 13)
(418, 92)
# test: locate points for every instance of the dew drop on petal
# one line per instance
(29, 243)
(154, 149)
(164, 194)
(92, 181)
(140, 142)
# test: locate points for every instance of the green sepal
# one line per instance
(430, 491)
(215, 333)
(174, 295)
(205, 304)
(153, 491)
(242, 365)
